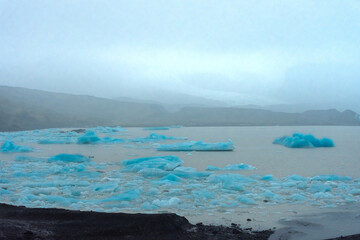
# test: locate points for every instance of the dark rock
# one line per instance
(39, 223)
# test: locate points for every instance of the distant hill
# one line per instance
(23, 109)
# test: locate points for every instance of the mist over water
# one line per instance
(208, 53)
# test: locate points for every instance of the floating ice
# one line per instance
(126, 196)
(231, 167)
(9, 146)
(167, 163)
(172, 202)
(156, 128)
(153, 184)
(197, 146)
(90, 137)
(246, 200)
(56, 141)
(154, 137)
(102, 129)
(69, 158)
(299, 140)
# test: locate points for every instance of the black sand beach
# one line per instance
(17, 222)
(36, 223)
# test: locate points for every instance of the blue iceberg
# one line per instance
(167, 163)
(57, 141)
(102, 129)
(9, 146)
(68, 158)
(231, 167)
(154, 137)
(90, 137)
(156, 128)
(197, 146)
(299, 140)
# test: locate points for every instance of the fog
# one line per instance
(216, 52)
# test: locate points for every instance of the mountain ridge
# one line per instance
(25, 109)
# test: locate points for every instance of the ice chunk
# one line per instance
(299, 140)
(156, 128)
(296, 178)
(90, 137)
(330, 178)
(56, 141)
(126, 196)
(267, 178)
(319, 188)
(167, 163)
(231, 167)
(153, 172)
(69, 158)
(154, 137)
(9, 146)
(270, 196)
(190, 174)
(355, 192)
(297, 197)
(323, 195)
(171, 177)
(148, 206)
(197, 146)
(172, 202)
(102, 129)
(60, 200)
(246, 200)
(203, 194)
(230, 181)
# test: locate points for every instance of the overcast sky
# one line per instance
(239, 52)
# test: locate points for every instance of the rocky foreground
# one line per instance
(40, 223)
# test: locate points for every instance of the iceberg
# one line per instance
(69, 158)
(167, 163)
(90, 137)
(231, 167)
(9, 146)
(299, 140)
(126, 196)
(102, 129)
(56, 141)
(154, 137)
(156, 128)
(197, 146)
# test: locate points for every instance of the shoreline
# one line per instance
(19, 222)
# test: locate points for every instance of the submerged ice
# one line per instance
(299, 140)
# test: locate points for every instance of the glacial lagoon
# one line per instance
(259, 184)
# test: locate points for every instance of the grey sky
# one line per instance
(240, 52)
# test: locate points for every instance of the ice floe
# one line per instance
(299, 140)
(197, 146)
(153, 183)
(9, 146)
(157, 183)
(231, 167)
